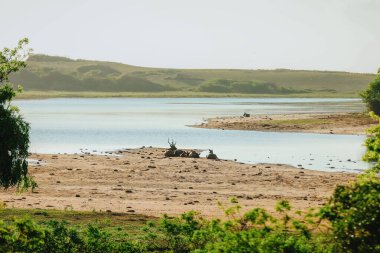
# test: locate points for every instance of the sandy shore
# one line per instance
(145, 182)
(339, 123)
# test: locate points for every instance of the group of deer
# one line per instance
(174, 152)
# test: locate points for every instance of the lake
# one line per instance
(69, 125)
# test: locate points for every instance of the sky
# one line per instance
(338, 35)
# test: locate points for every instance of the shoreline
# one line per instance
(143, 181)
(318, 123)
(34, 94)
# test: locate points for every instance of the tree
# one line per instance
(371, 96)
(14, 131)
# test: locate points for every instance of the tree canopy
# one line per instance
(14, 131)
(371, 95)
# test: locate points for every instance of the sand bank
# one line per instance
(144, 181)
(339, 123)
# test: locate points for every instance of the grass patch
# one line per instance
(111, 222)
(349, 119)
(299, 122)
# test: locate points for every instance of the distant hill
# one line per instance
(54, 73)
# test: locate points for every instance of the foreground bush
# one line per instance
(349, 222)
(354, 213)
(26, 236)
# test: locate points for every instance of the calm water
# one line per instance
(68, 125)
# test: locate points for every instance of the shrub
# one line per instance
(373, 142)
(254, 231)
(353, 210)
(354, 214)
(371, 96)
(22, 236)
(57, 237)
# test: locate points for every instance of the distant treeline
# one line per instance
(250, 87)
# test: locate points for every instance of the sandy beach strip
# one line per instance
(322, 123)
(144, 181)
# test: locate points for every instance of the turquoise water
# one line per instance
(69, 125)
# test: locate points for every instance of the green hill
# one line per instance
(60, 74)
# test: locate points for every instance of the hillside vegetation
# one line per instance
(53, 73)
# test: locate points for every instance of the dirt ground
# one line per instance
(144, 181)
(339, 123)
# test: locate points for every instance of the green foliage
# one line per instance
(21, 236)
(14, 131)
(254, 231)
(12, 60)
(56, 237)
(349, 222)
(373, 142)
(353, 210)
(352, 214)
(231, 86)
(60, 238)
(371, 96)
(355, 214)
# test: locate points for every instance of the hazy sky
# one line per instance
(295, 34)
